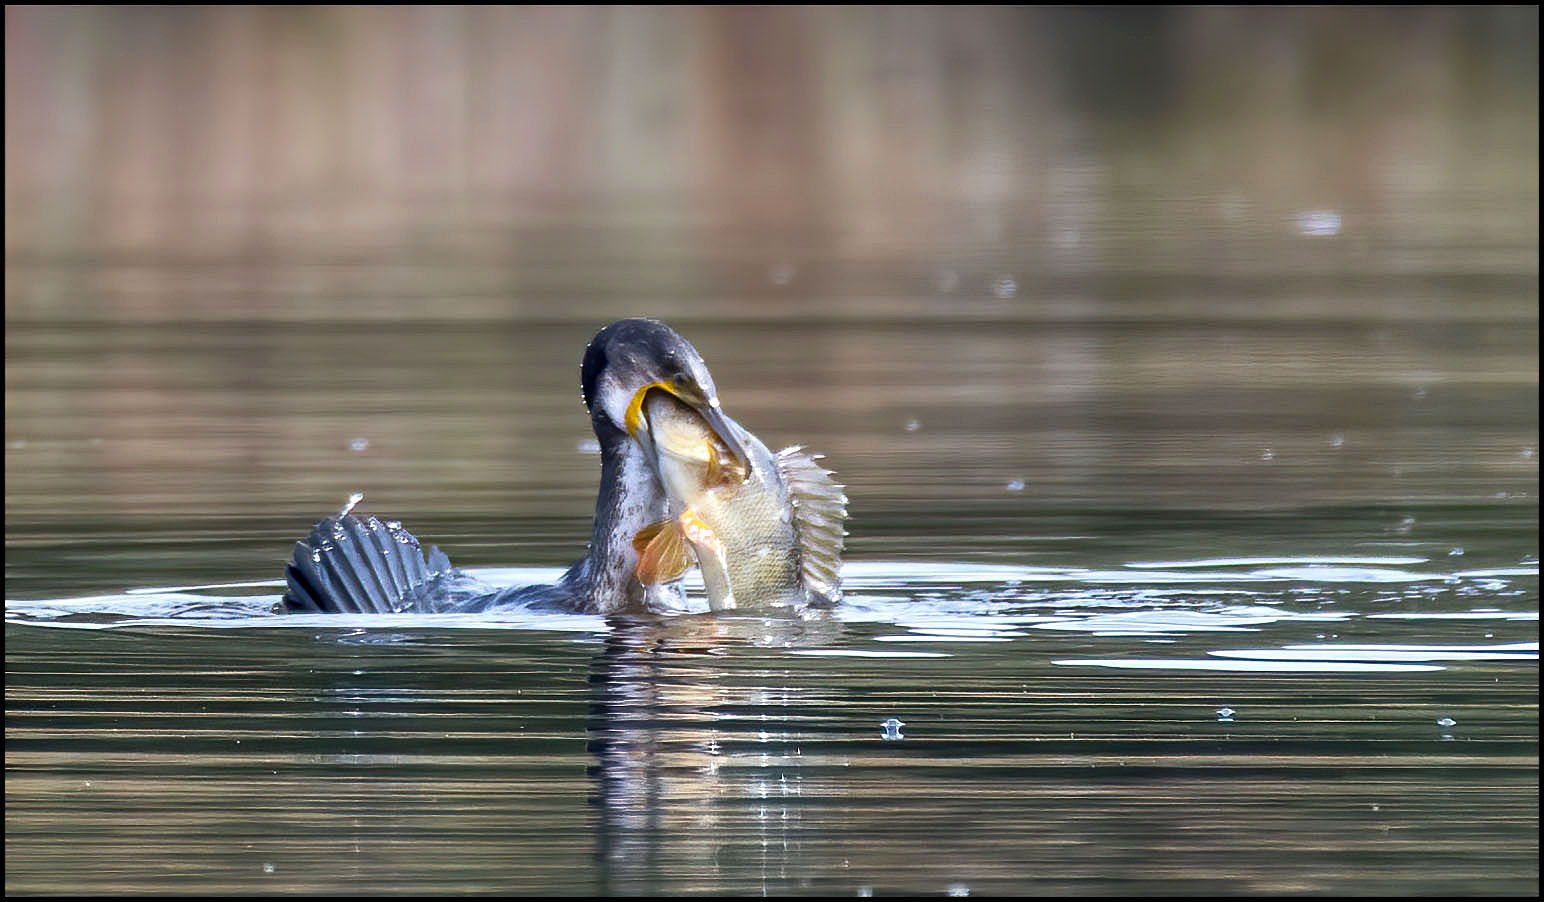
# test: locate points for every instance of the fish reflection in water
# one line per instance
(692, 762)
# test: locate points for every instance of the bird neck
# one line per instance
(629, 499)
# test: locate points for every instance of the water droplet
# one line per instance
(782, 273)
(1446, 722)
(359, 444)
(1015, 485)
(589, 446)
(1267, 454)
(958, 889)
(1337, 440)
(1376, 808)
(1318, 223)
(865, 892)
(1527, 454)
(268, 867)
(1225, 713)
(1005, 287)
(1455, 552)
(913, 424)
(892, 729)
(1420, 393)
(353, 499)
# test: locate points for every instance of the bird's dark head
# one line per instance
(632, 357)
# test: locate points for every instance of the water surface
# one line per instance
(1356, 725)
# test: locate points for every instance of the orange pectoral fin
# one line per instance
(663, 555)
(647, 534)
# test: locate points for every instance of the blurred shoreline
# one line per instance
(297, 164)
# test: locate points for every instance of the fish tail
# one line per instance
(349, 565)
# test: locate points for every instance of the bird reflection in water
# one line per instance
(697, 758)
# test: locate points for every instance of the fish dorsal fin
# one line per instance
(663, 555)
(819, 509)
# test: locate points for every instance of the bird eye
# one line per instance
(680, 380)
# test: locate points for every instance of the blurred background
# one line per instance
(1006, 267)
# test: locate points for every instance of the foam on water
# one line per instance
(936, 605)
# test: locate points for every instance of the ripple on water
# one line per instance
(943, 604)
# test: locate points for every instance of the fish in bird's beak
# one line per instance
(764, 538)
(724, 429)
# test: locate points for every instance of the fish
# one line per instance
(766, 532)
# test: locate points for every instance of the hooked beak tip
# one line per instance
(725, 429)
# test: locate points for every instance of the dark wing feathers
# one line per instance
(353, 565)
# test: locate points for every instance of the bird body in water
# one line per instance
(350, 564)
